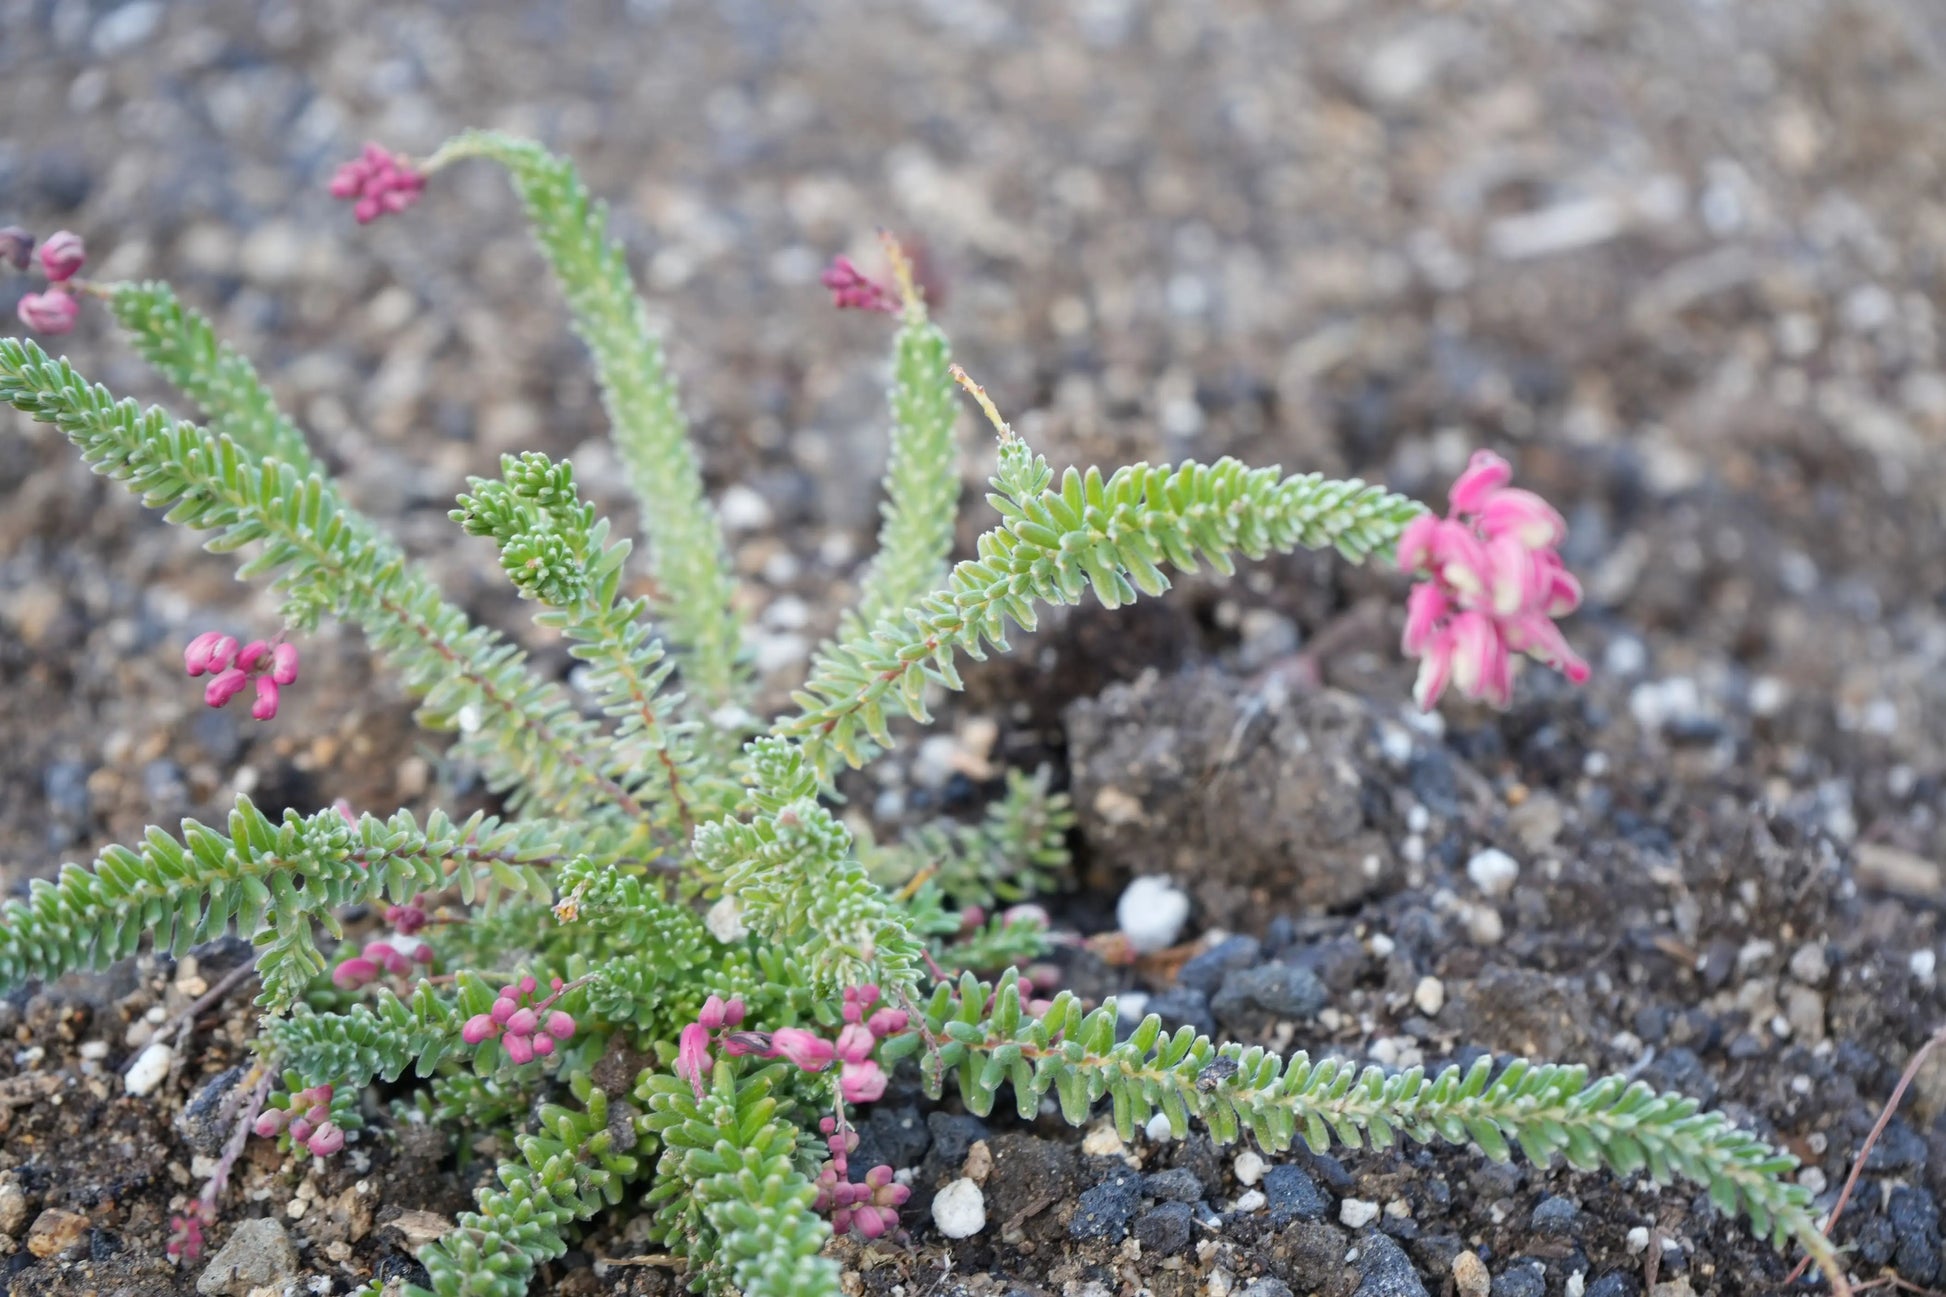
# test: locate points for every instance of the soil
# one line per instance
(1682, 262)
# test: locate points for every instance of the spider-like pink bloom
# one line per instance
(377, 182)
(1494, 585)
(852, 290)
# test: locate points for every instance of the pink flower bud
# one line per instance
(852, 291)
(327, 1140)
(692, 1055)
(199, 656)
(353, 973)
(887, 1022)
(733, 1013)
(422, 954)
(543, 1045)
(1414, 549)
(559, 1025)
(522, 1023)
(1485, 474)
(504, 1008)
(301, 1129)
(1027, 912)
(861, 1082)
(714, 1014)
(1523, 515)
(377, 182)
(250, 654)
(270, 1123)
(1426, 609)
(62, 255)
(528, 985)
(519, 1048)
(479, 1029)
(53, 311)
(283, 664)
(224, 686)
(805, 1049)
(16, 247)
(869, 1221)
(855, 1043)
(266, 705)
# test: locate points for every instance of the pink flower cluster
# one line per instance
(852, 290)
(860, 1078)
(1494, 584)
(362, 969)
(307, 1121)
(526, 1028)
(871, 1207)
(54, 309)
(231, 669)
(407, 919)
(377, 182)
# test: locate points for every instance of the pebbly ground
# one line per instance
(1681, 261)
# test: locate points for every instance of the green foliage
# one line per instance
(1111, 535)
(687, 552)
(555, 551)
(275, 880)
(921, 477)
(1019, 850)
(982, 1036)
(324, 557)
(730, 1197)
(566, 1173)
(184, 349)
(792, 874)
(671, 866)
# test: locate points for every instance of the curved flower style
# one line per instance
(1494, 585)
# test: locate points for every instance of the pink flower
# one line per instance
(479, 1029)
(52, 311)
(692, 1055)
(504, 1008)
(559, 1025)
(887, 1022)
(270, 1123)
(326, 1140)
(200, 656)
(855, 1043)
(519, 1048)
(377, 182)
(806, 1049)
(62, 255)
(266, 705)
(252, 653)
(226, 685)
(283, 664)
(851, 290)
(861, 1082)
(1493, 584)
(354, 973)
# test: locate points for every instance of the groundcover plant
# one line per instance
(669, 876)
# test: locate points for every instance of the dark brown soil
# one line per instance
(1681, 261)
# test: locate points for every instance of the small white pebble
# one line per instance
(1470, 1277)
(742, 509)
(1577, 1283)
(94, 1050)
(1637, 1241)
(1158, 1129)
(1131, 1006)
(1102, 1141)
(1484, 926)
(1813, 1179)
(1249, 1168)
(1254, 1200)
(1357, 1212)
(1399, 1209)
(151, 1066)
(1430, 996)
(296, 1208)
(725, 921)
(1922, 963)
(960, 1210)
(1151, 914)
(1493, 871)
(156, 1014)
(1382, 945)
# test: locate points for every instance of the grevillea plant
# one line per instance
(669, 882)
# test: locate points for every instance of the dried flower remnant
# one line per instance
(1494, 585)
(853, 290)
